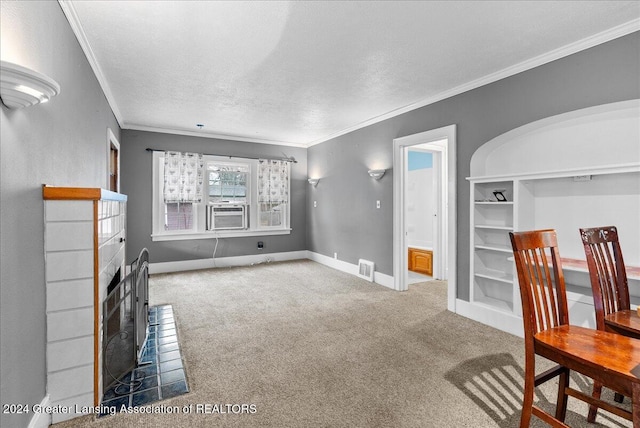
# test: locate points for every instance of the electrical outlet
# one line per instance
(377, 204)
(335, 255)
(260, 245)
(315, 204)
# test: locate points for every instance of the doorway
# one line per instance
(441, 143)
(113, 162)
(424, 210)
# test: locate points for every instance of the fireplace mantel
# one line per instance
(84, 247)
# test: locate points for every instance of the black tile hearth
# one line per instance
(160, 373)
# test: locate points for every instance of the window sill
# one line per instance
(220, 234)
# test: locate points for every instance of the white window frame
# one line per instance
(199, 221)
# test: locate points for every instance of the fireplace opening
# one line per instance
(125, 326)
(119, 355)
(114, 281)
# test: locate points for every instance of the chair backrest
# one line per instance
(542, 287)
(606, 271)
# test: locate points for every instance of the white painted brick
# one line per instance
(69, 236)
(69, 353)
(70, 383)
(84, 400)
(68, 210)
(69, 265)
(69, 294)
(69, 324)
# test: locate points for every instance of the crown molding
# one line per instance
(204, 134)
(72, 16)
(564, 51)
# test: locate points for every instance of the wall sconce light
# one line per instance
(314, 181)
(21, 87)
(377, 174)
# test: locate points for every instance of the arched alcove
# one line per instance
(575, 170)
(589, 138)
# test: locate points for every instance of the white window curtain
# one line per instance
(183, 177)
(273, 181)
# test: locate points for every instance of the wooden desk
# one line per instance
(625, 322)
(633, 272)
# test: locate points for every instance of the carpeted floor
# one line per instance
(297, 344)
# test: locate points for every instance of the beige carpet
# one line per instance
(308, 346)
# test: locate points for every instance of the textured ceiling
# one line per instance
(302, 72)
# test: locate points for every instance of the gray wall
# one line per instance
(61, 143)
(136, 164)
(345, 220)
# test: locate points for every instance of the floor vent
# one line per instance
(365, 269)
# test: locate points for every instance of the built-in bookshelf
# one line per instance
(560, 200)
(492, 273)
(575, 170)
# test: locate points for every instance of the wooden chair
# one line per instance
(608, 358)
(606, 271)
(608, 283)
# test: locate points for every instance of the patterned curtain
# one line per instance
(273, 181)
(183, 177)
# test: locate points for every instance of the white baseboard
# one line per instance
(378, 278)
(41, 419)
(185, 265)
(494, 318)
(581, 313)
(165, 267)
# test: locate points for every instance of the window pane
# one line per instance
(271, 215)
(228, 183)
(178, 216)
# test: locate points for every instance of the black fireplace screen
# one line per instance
(125, 326)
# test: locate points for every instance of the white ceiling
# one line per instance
(302, 72)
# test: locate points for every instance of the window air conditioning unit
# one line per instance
(227, 216)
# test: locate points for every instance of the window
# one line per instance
(227, 182)
(178, 216)
(271, 214)
(273, 193)
(258, 191)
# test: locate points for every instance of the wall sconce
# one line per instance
(377, 174)
(314, 181)
(21, 87)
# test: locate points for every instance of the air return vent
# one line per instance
(365, 269)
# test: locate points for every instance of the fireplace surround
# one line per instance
(85, 232)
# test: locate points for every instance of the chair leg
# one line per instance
(529, 386)
(635, 404)
(561, 403)
(593, 410)
(527, 403)
(619, 398)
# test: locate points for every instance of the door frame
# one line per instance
(113, 143)
(400, 146)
